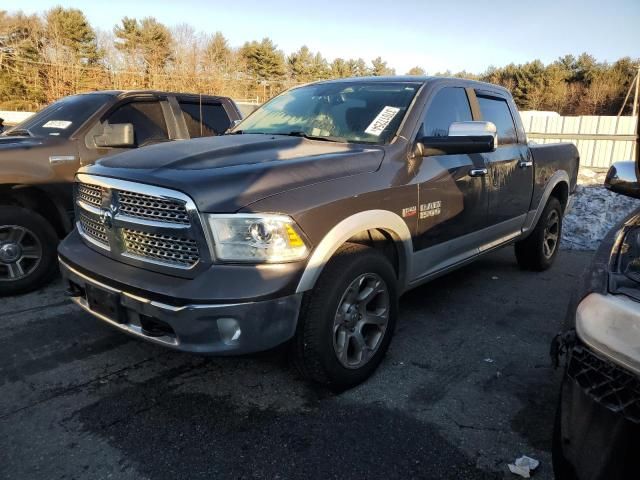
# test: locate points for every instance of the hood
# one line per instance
(225, 173)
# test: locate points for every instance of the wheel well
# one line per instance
(383, 241)
(35, 199)
(561, 192)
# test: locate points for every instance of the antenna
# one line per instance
(201, 128)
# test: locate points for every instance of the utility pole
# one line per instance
(635, 96)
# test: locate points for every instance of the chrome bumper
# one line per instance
(203, 328)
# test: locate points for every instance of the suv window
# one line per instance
(496, 110)
(215, 120)
(148, 121)
(449, 105)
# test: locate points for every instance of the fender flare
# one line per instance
(385, 220)
(532, 218)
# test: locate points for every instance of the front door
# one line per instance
(453, 203)
(510, 177)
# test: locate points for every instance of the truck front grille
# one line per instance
(91, 194)
(138, 205)
(140, 224)
(167, 249)
(93, 229)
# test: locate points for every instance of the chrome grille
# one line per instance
(162, 248)
(140, 224)
(138, 205)
(90, 194)
(94, 230)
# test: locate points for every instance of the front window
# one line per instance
(62, 118)
(359, 112)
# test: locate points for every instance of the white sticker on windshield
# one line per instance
(382, 121)
(61, 124)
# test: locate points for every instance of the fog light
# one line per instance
(229, 330)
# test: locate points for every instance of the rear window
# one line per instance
(206, 119)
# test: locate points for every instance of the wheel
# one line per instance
(27, 251)
(538, 251)
(347, 319)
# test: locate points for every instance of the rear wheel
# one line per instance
(347, 320)
(27, 251)
(538, 251)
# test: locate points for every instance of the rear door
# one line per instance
(204, 118)
(510, 177)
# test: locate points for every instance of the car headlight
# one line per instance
(257, 238)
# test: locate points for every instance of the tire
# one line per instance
(534, 252)
(28, 245)
(326, 344)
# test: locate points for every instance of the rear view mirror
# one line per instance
(623, 179)
(116, 135)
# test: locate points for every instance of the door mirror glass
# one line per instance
(116, 135)
(623, 179)
(464, 137)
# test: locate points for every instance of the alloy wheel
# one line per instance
(361, 320)
(551, 234)
(20, 252)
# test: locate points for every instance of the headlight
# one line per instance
(257, 238)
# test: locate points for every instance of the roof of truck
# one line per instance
(127, 93)
(415, 79)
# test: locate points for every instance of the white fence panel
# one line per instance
(601, 140)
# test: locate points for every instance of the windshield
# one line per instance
(343, 111)
(62, 118)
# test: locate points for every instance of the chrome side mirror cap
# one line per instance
(622, 178)
(474, 129)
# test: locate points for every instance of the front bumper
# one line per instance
(232, 328)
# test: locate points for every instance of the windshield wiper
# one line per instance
(315, 137)
(18, 132)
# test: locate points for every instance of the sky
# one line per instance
(435, 35)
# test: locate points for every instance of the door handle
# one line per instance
(525, 164)
(478, 172)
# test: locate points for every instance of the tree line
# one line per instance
(45, 57)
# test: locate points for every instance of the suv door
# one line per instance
(452, 204)
(204, 118)
(510, 177)
(148, 117)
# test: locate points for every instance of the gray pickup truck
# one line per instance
(39, 159)
(307, 221)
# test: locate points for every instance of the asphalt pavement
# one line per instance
(466, 387)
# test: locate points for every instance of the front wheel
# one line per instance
(347, 320)
(538, 251)
(27, 250)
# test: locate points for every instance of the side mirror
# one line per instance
(116, 135)
(463, 137)
(623, 179)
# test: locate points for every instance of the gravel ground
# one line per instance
(594, 212)
(465, 389)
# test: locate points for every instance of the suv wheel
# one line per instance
(27, 251)
(347, 320)
(538, 251)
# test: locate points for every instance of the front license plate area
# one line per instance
(105, 303)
